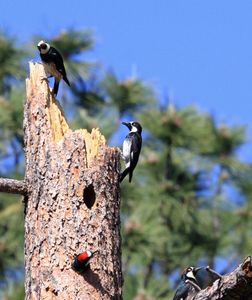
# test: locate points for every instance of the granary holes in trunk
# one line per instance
(89, 196)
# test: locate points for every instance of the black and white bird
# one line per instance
(188, 286)
(53, 64)
(131, 148)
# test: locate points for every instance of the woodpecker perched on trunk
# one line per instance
(205, 276)
(188, 286)
(53, 63)
(131, 148)
(81, 261)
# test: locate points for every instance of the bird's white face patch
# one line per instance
(190, 275)
(89, 253)
(44, 49)
(40, 43)
(133, 129)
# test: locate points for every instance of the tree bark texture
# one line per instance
(73, 203)
(236, 285)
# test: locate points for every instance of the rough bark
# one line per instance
(13, 186)
(73, 203)
(235, 285)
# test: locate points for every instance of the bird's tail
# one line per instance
(125, 173)
(130, 175)
(66, 80)
(56, 87)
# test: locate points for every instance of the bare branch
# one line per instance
(235, 285)
(13, 186)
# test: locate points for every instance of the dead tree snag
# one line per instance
(72, 205)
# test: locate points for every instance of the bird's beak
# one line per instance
(38, 47)
(94, 252)
(127, 124)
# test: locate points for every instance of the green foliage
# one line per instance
(190, 200)
(10, 118)
(181, 213)
(128, 95)
(14, 291)
(11, 235)
(11, 60)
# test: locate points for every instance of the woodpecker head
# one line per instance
(133, 126)
(82, 260)
(43, 47)
(84, 256)
(189, 274)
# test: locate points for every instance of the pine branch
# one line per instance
(235, 285)
(13, 186)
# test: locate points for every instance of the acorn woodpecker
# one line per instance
(53, 64)
(205, 276)
(81, 261)
(131, 148)
(188, 286)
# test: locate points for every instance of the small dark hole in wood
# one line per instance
(89, 196)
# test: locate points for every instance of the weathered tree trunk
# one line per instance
(236, 285)
(72, 204)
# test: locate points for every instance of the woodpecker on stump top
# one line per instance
(53, 64)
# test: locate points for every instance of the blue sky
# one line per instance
(195, 51)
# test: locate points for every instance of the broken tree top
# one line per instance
(41, 101)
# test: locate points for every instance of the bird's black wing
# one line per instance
(131, 150)
(205, 276)
(135, 149)
(181, 292)
(185, 289)
(60, 64)
(56, 57)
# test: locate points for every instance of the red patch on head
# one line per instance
(83, 256)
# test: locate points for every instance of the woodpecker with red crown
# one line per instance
(81, 261)
(131, 148)
(53, 64)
